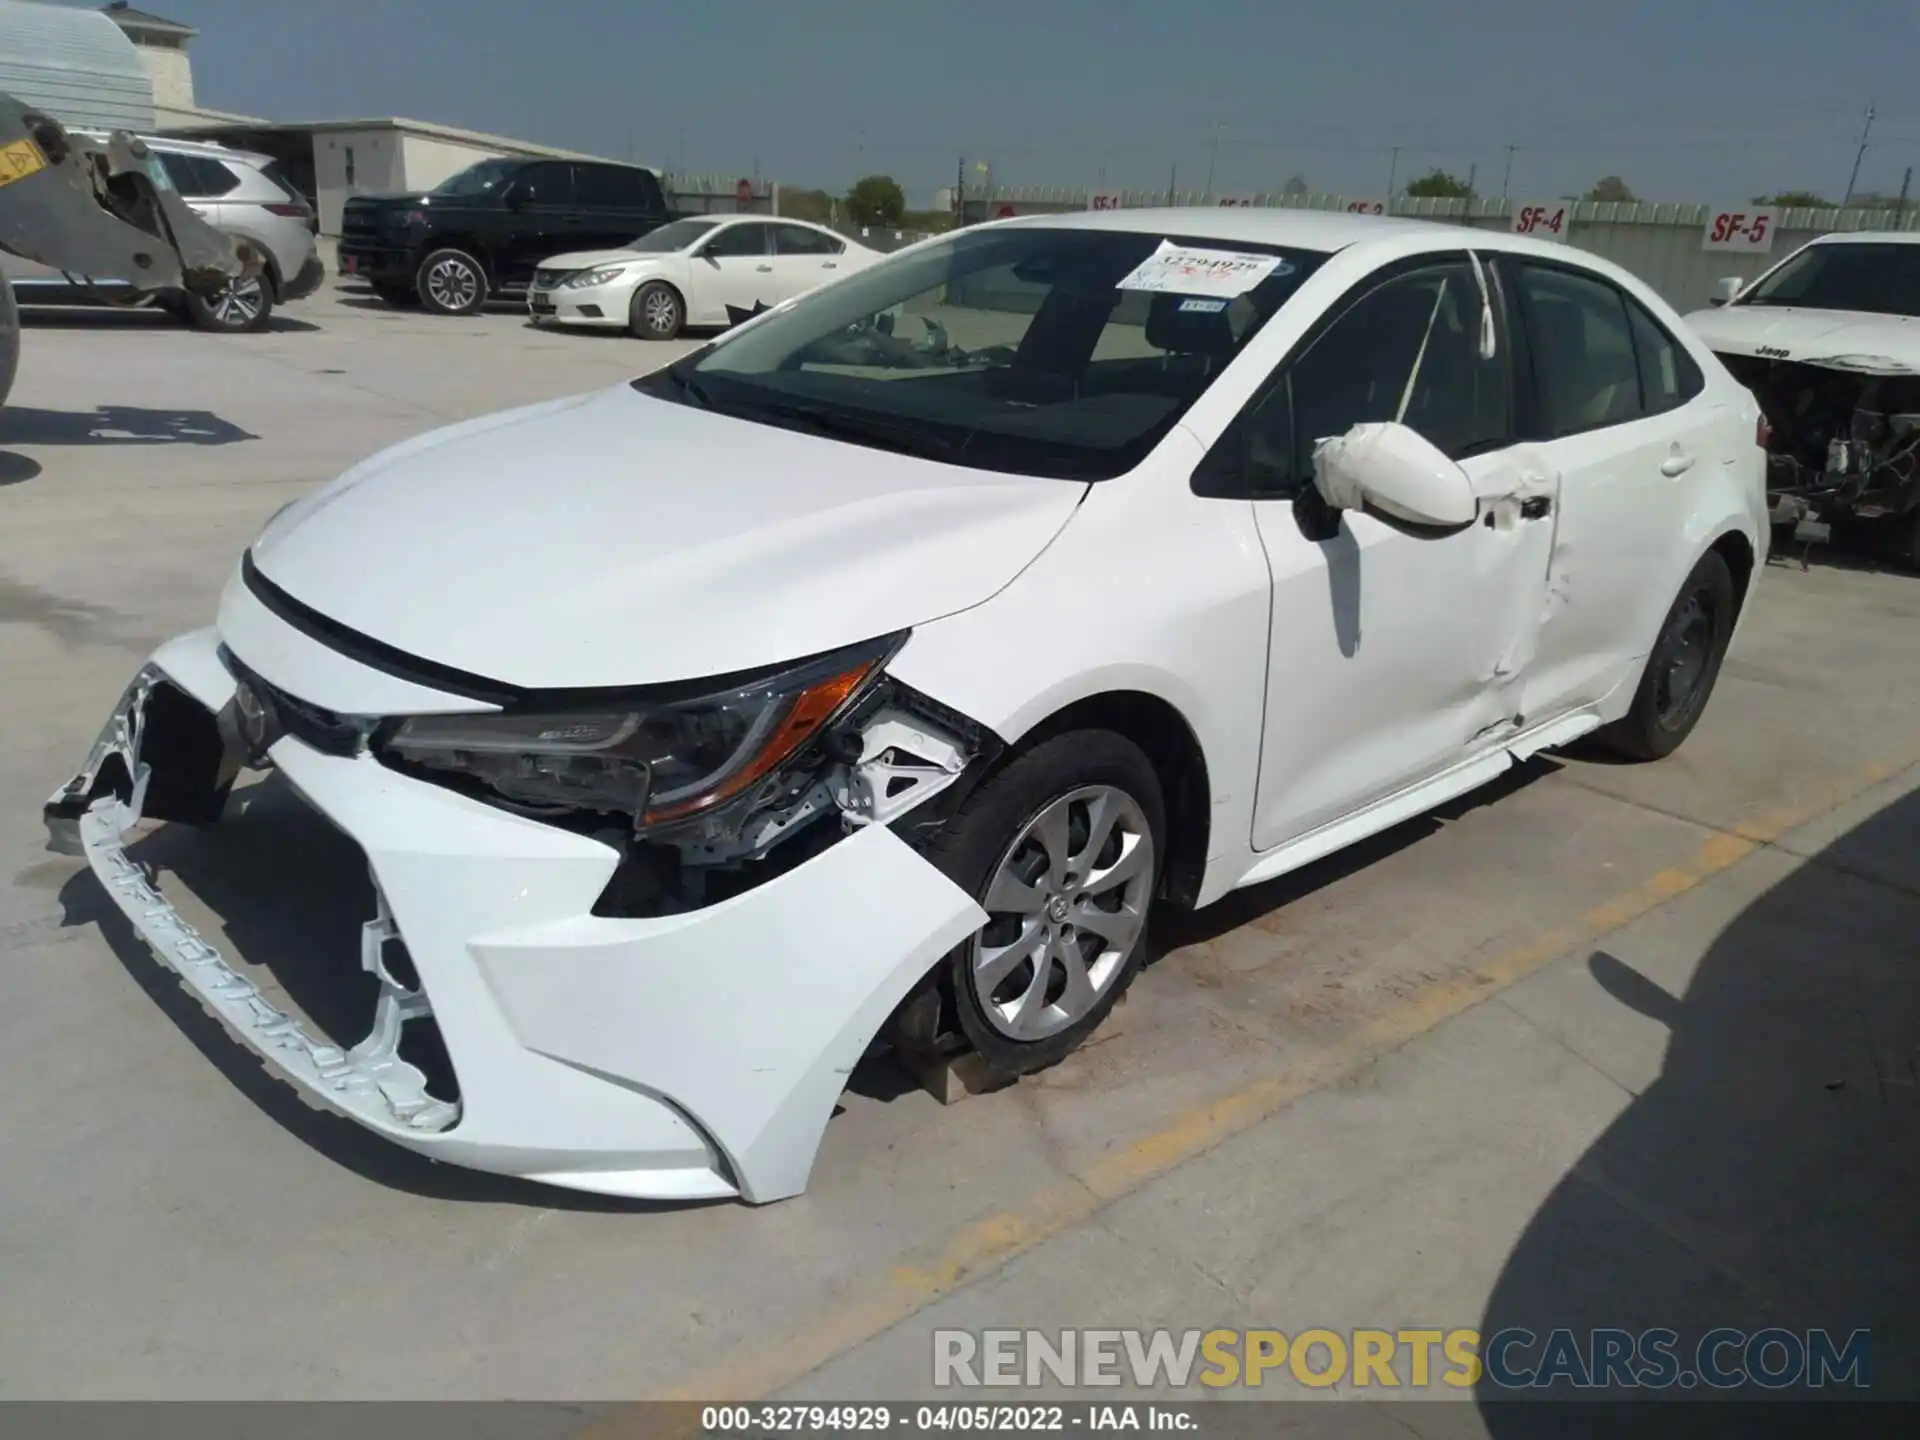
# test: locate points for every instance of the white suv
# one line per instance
(239, 193)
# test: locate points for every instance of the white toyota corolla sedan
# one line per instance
(874, 672)
(699, 272)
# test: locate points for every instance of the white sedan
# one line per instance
(701, 272)
(880, 668)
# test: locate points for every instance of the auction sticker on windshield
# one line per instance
(1185, 270)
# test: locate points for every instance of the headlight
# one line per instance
(587, 279)
(660, 760)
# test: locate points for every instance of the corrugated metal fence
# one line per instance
(77, 65)
(1661, 243)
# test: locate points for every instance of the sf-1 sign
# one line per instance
(1542, 219)
(1366, 207)
(1103, 202)
(1747, 230)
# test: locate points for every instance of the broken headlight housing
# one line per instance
(662, 756)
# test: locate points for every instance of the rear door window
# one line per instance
(609, 187)
(198, 177)
(1585, 370)
(1668, 376)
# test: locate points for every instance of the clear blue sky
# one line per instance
(1687, 99)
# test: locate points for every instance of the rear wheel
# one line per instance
(1683, 667)
(405, 296)
(236, 308)
(451, 282)
(1062, 849)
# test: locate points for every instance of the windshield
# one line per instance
(477, 179)
(675, 235)
(1877, 279)
(1059, 352)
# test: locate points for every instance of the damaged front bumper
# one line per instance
(687, 1056)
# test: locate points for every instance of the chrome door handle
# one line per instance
(764, 269)
(829, 264)
(1676, 464)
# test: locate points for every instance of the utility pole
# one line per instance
(1173, 184)
(1900, 206)
(1473, 172)
(1393, 173)
(1213, 154)
(683, 150)
(1506, 180)
(1859, 155)
(960, 191)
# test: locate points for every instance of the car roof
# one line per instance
(1877, 237)
(172, 146)
(1302, 229)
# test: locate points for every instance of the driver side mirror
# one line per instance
(1397, 472)
(1725, 290)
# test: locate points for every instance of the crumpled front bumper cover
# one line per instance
(684, 1057)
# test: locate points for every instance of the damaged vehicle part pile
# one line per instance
(877, 692)
(1829, 343)
(103, 211)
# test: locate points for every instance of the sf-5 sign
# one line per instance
(1746, 230)
(1543, 219)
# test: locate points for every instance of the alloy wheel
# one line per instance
(453, 284)
(659, 310)
(1065, 905)
(238, 304)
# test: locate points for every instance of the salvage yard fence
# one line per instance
(1664, 244)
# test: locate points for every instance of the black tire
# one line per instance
(237, 309)
(970, 850)
(9, 338)
(1687, 654)
(656, 312)
(451, 282)
(403, 296)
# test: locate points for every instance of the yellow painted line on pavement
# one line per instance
(758, 1368)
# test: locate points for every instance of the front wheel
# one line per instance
(451, 282)
(1682, 668)
(1062, 848)
(238, 307)
(656, 312)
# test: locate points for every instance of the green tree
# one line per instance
(876, 200)
(1610, 187)
(1441, 185)
(1795, 199)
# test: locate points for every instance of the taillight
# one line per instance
(295, 211)
(1762, 433)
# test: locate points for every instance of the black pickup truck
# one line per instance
(482, 232)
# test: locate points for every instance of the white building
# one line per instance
(76, 65)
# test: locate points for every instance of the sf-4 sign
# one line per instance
(1103, 202)
(1366, 207)
(1542, 219)
(1746, 230)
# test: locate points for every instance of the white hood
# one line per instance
(588, 259)
(1836, 339)
(613, 539)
